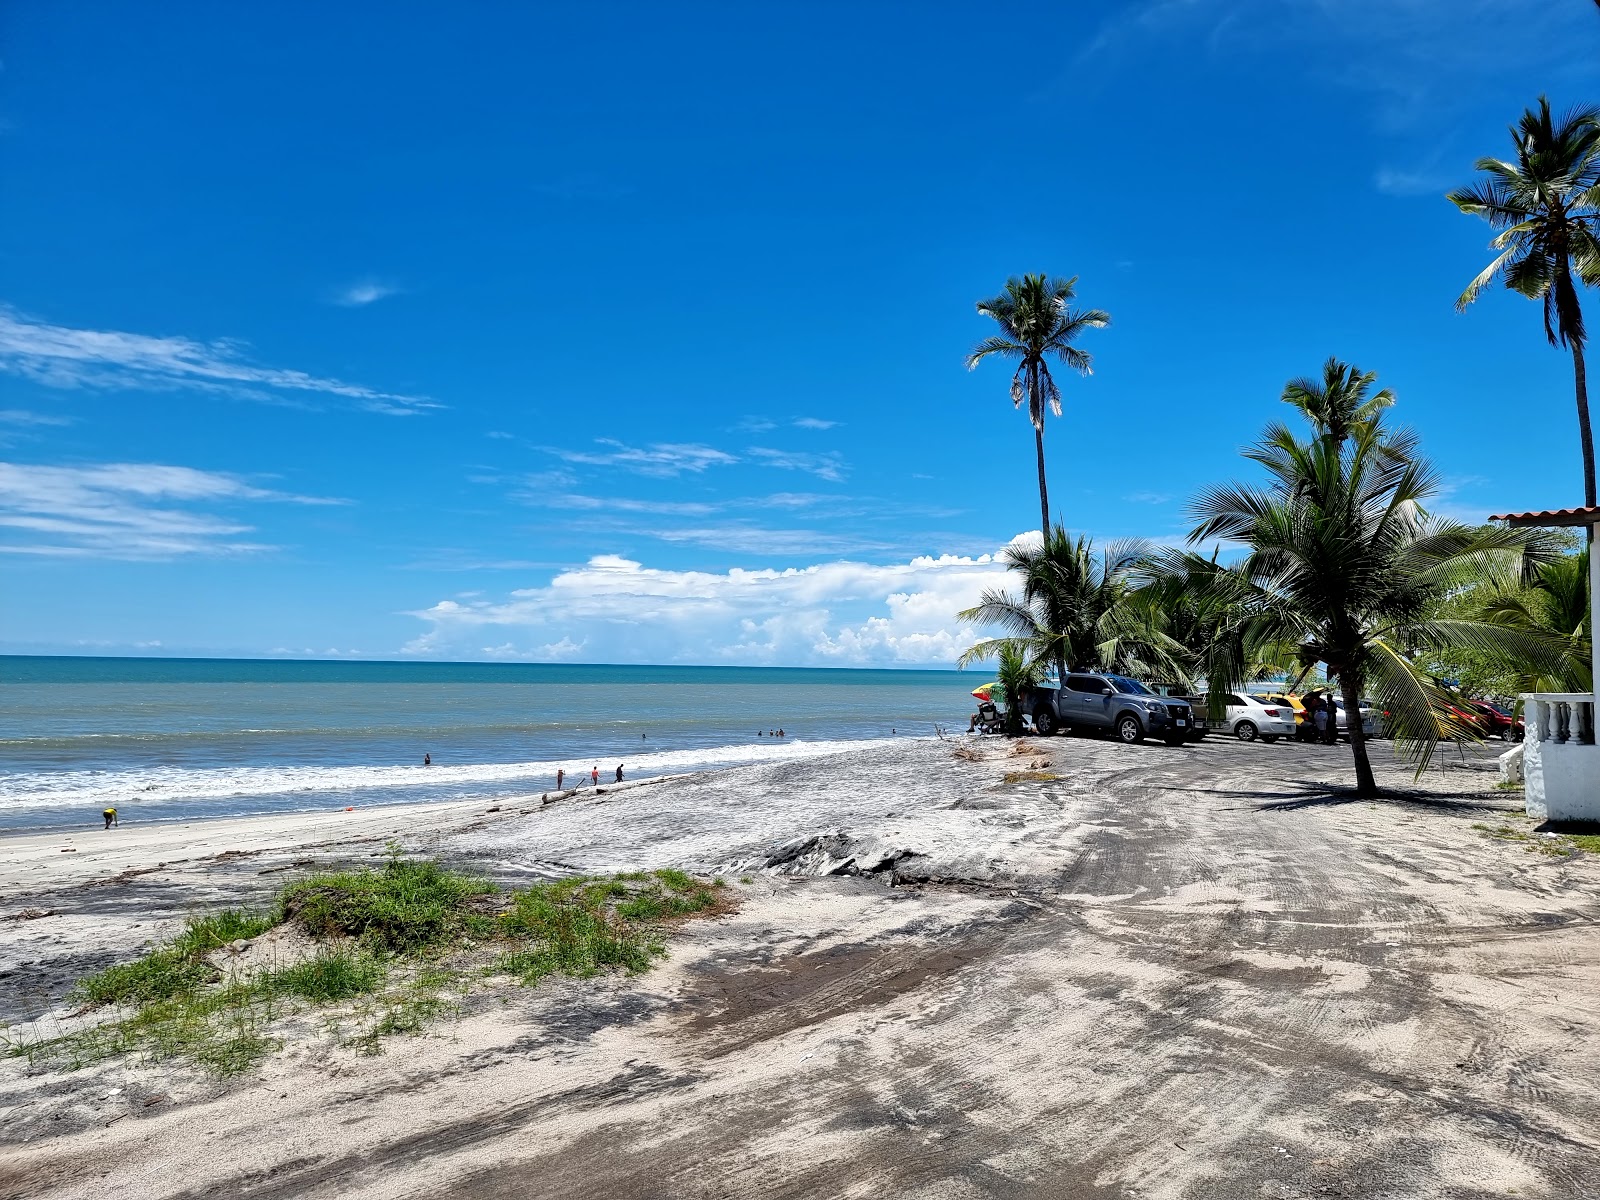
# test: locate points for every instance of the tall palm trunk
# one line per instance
(1044, 498)
(1580, 377)
(1350, 689)
(1036, 411)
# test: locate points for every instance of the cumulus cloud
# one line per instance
(125, 511)
(840, 612)
(63, 357)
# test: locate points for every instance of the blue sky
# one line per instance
(635, 333)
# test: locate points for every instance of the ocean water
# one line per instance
(174, 739)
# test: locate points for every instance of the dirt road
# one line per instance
(1195, 973)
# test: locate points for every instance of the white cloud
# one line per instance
(751, 539)
(615, 609)
(1393, 182)
(1414, 61)
(663, 460)
(124, 511)
(669, 460)
(829, 466)
(678, 508)
(59, 356)
(368, 291)
(18, 416)
(813, 423)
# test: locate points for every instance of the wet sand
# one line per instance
(1191, 973)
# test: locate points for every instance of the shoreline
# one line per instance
(94, 850)
(344, 782)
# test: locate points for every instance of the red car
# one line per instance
(1496, 721)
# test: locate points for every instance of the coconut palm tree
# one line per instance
(1544, 205)
(1340, 402)
(1015, 672)
(1036, 325)
(1343, 561)
(1208, 610)
(1076, 609)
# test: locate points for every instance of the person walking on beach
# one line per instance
(619, 772)
(560, 775)
(110, 815)
(594, 776)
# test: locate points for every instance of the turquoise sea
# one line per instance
(166, 739)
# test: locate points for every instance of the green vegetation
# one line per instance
(1078, 609)
(415, 907)
(1557, 845)
(1036, 325)
(396, 947)
(1541, 206)
(1547, 599)
(1029, 777)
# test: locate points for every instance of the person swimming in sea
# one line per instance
(427, 760)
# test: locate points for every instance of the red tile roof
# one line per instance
(1553, 516)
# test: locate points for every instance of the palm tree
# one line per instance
(1077, 608)
(1340, 402)
(1343, 561)
(1015, 673)
(1035, 324)
(1544, 207)
(1208, 610)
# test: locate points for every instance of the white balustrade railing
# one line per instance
(1560, 717)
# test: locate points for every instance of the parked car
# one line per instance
(1368, 718)
(1458, 717)
(1249, 717)
(1499, 722)
(1201, 724)
(1100, 702)
(1303, 729)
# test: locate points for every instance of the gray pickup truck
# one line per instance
(1098, 702)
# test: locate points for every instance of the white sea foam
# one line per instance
(211, 788)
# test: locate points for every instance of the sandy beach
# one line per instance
(1192, 973)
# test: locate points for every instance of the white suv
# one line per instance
(1252, 717)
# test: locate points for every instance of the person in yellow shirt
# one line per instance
(110, 815)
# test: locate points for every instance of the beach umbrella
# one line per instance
(983, 693)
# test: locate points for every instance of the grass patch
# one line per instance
(1555, 846)
(415, 907)
(580, 926)
(396, 942)
(330, 976)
